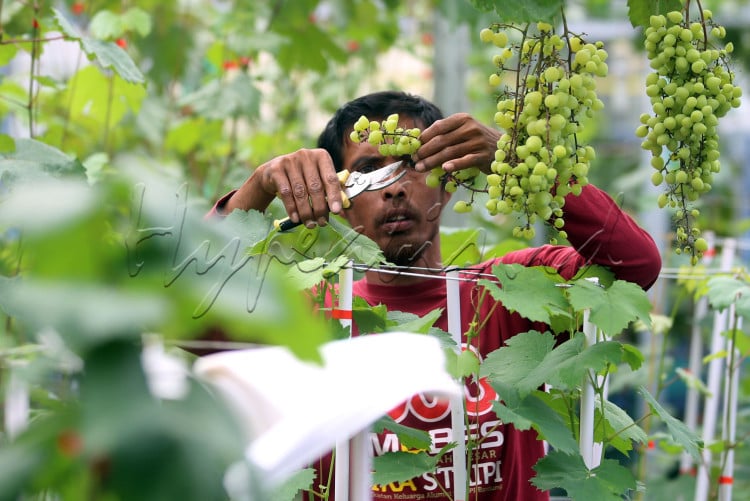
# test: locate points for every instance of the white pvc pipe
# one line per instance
(457, 403)
(588, 402)
(695, 359)
(729, 433)
(715, 368)
(346, 465)
(695, 363)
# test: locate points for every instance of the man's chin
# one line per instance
(406, 254)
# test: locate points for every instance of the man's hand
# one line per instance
(305, 181)
(457, 142)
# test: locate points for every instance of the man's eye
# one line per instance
(367, 168)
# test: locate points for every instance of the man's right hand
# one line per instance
(305, 181)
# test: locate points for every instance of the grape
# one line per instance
(690, 88)
(390, 139)
(541, 158)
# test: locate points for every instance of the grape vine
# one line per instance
(552, 90)
(690, 88)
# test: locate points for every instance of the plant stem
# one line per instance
(108, 114)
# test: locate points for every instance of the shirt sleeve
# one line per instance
(218, 209)
(601, 233)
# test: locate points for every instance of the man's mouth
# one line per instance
(398, 221)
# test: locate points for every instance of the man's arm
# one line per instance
(305, 181)
(600, 232)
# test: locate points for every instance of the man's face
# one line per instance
(403, 218)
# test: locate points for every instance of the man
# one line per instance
(404, 220)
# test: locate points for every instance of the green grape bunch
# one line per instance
(690, 88)
(549, 94)
(394, 141)
(391, 139)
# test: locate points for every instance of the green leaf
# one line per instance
(107, 54)
(639, 11)
(408, 322)
(95, 97)
(466, 364)
(137, 20)
(527, 11)
(620, 431)
(460, 248)
(692, 381)
(300, 481)
(607, 482)
(310, 47)
(715, 356)
(532, 292)
(95, 165)
(407, 436)
(186, 136)
(515, 362)
(106, 25)
(369, 319)
(681, 434)
(723, 291)
(7, 53)
(218, 100)
(354, 244)
(308, 273)
(531, 411)
(401, 466)
(7, 144)
(632, 356)
(529, 360)
(614, 308)
(31, 159)
(84, 315)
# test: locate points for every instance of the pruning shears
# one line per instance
(355, 183)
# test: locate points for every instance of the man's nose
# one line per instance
(397, 189)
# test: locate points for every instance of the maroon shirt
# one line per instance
(501, 465)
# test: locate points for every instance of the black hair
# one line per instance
(375, 106)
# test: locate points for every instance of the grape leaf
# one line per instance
(310, 272)
(632, 356)
(409, 322)
(401, 466)
(639, 11)
(252, 226)
(219, 99)
(519, 358)
(529, 291)
(30, 158)
(528, 11)
(300, 481)
(460, 248)
(407, 436)
(681, 434)
(618, 430)
(355, 245)
(107, 54)
(106, 25)
(614, 308)
(137, 20)
(368, 319)
(530, 411)
(723, 291)
(608, 481)
(529, 360)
